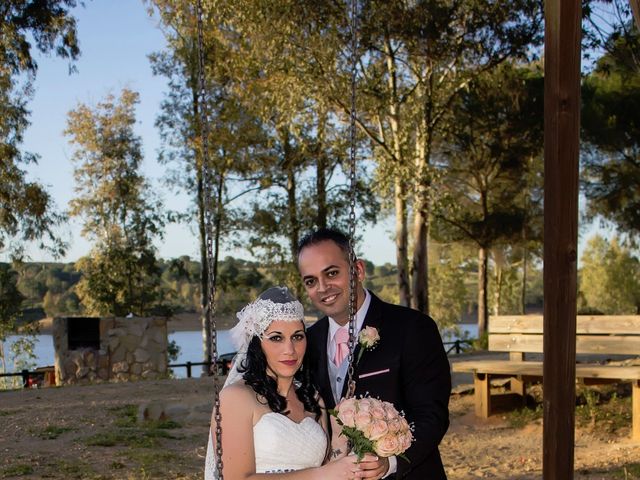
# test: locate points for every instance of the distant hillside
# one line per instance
(49, 287)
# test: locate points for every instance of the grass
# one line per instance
(117, 466)
(73, 468)
(151, 460)
(128, 433)
(603, 409)
(163, 424)
(6, 413)
(135, 438)
(17, 470)
(522, 417)
(597, 408)
(127, 415)
(144, 445)
(51, 432)
(629, 472)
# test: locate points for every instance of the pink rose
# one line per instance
(387, 446)
(377, 411)
(348, 417)
(394, 425)
(347, 403)
(363, 422)
(405, 440)
(390, 410)
(365, 404)
(347, 411)
(405, 425)
(368, 337)
(378, 429)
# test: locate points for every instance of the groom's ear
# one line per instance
(360, 270)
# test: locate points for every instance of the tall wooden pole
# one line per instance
(635, 7)
(561, 152)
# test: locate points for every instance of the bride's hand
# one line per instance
(345, 467)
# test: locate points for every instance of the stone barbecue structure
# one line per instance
(89, 349)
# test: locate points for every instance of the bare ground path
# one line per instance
(94, 432)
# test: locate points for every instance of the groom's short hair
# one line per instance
(323, 235)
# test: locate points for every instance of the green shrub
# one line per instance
(522, 417)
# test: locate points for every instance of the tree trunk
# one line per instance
(321, 172)
(402, 234)
(497, 295)
(3, 363)
(217, 225)
(205, 319)
(482, 291)
(292, 206)
(204, 272)
(523, 293)
(420, 261)
(292, 213)
(402, 243)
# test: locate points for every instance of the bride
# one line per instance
(273, 420)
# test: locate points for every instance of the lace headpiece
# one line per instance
(276, 303)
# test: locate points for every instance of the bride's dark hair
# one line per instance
(254, 369)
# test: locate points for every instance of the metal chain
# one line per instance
(206, 176)
(351, 384)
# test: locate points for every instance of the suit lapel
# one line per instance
(372, 319)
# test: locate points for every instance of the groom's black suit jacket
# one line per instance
(408, 368)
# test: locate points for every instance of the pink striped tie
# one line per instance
(341, 338)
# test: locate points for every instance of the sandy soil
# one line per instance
(94, 432)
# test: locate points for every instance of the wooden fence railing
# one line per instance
(36, 378)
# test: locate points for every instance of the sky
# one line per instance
(115, 37)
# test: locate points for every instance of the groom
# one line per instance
(408, 366)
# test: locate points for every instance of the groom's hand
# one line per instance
(373, 467)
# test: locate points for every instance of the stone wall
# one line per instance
(130, 349)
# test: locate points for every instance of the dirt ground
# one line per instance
(96, 432)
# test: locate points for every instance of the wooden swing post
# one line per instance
(561, 155)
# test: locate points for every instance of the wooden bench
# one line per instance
(519, 335)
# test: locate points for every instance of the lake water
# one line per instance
(190, 343)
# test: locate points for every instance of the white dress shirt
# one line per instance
(338, 374)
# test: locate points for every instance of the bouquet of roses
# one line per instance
(373, 426)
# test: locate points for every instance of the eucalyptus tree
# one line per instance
(449, 267)
(416, 58)
(121, 215)
(275, 49)
(494, 142)
(235, 138)
(611, 130)
(609, 277)
(26, 209)
(11, 300)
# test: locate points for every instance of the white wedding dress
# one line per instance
(281, 445)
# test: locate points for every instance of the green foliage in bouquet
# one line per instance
(360, 445)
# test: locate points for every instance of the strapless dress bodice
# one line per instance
(282, 445)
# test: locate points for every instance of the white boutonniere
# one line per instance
(368, 338)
